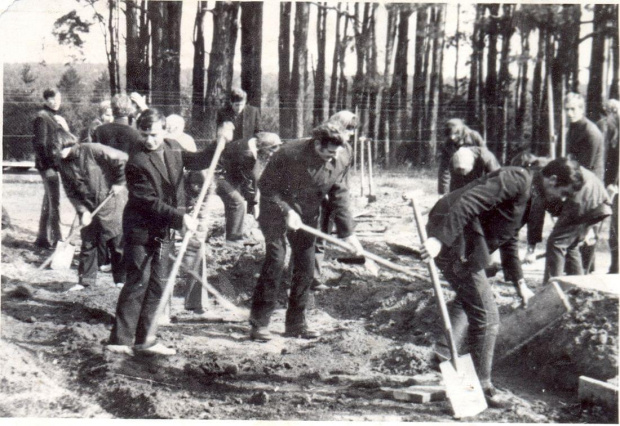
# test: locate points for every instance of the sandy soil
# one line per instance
(378, 331)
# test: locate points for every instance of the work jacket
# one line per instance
(45, 143)
(297, 178)
(480, 217)
(240, 168)
(88, 173)
(156, 191)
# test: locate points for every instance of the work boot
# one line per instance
(497, 398)
(260, 334)
(301, 332)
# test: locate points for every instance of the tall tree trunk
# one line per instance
(166, 42)
(198, 72)
(136, 45)
(373, 74)
(436, 78)
(457, 43)
(300, 67)
(318, 115)
(614, 90)
(398, 92)
(419, 87)
(594, 100)
(523, 82)
(537, 93)
(221, 59)
(490, 92)
(251, 50)
(284, 75)
(474, 89)
(383, 134)
(113, 66)
(503, 84)
(343, 83)
(333, 84)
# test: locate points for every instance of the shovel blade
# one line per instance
(63, 256)
(463, 387)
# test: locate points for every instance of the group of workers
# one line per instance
(143, 168)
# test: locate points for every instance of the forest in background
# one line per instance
(523, 59)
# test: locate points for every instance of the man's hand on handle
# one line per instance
(293, 221)
(430, 249)
(354, 242)
(189, 223)
(86, 218)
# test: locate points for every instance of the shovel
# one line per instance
(63, 254)
(459, 375)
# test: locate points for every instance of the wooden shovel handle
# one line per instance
(221, 143)
(348, 247)
(432, 269)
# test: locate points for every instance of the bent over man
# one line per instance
(468, 224)
(90, 172)
(156, 208)
(292, 187)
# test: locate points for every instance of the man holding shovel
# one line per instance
(465, 226)
(90, 173)
(292, 187)
(156, 208)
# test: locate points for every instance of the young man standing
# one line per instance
(245, 118)
(46, 148)
(156, 208)
(293, 185)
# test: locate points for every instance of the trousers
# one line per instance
(147, 269)
(90, 257)
(474, 314)
(49, 222)
(266, 291)
(234, 209)
(563, 251)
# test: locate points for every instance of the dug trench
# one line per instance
(377, 332)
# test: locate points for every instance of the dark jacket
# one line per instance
(239, 167)
(297, 178)
(87, 174)
(45, 143)
(247, 124)
(477, 219)
(468, 137)
(584, 143)
(588, 206)
(485, 162)
(156, 192)
(118, 134)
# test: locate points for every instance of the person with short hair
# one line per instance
(45, 144)
(246, 118)
(241, 164)
(119, 134)
(104, 115)
(90, 172)
(458, 135)
(465, 226)
(584, 140)
(469, 163)
(292, 186)
(154, 211)
(175, 126)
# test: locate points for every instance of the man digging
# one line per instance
(292, 187)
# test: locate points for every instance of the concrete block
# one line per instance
(417, 394)
(523, 324)
(598, 392)
(606, 283)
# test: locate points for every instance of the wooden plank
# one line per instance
(523, 324)
(598, 392)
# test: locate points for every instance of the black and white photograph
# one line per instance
(309, 211)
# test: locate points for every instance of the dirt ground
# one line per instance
(378, 332)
